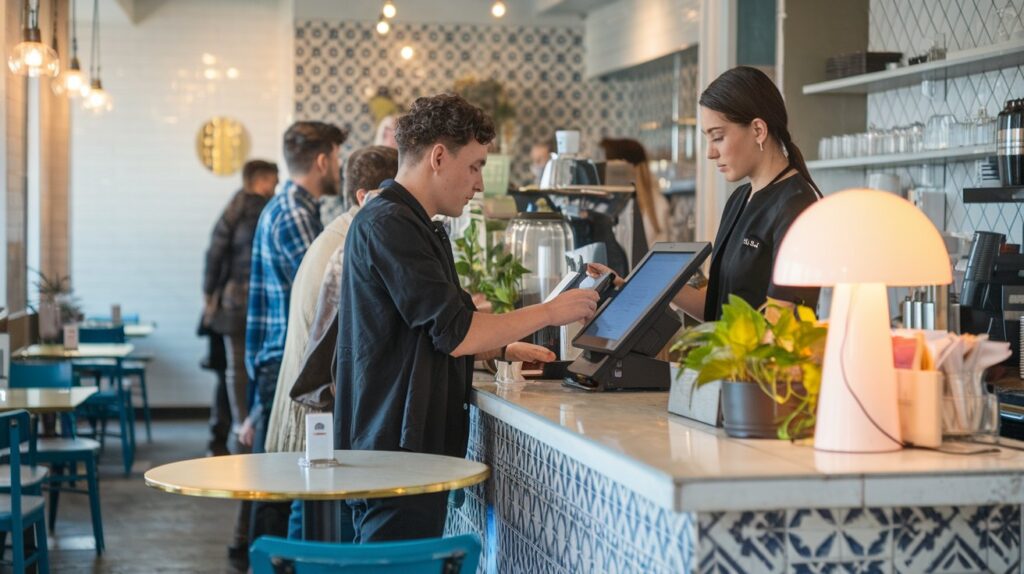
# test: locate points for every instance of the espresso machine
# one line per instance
(992, 297)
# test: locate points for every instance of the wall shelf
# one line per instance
(962, 63)
(966, 153)
(1010, 194)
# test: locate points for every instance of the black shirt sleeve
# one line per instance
(406, 258)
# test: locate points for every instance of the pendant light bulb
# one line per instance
(71, 81)
(97, 100)
(389, 10)
(32, 58)
(498, 9)
(383, 27)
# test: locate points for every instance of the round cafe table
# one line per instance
(279, 477)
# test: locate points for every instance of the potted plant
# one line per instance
(57, 305)
(491, 272)
(769, 362)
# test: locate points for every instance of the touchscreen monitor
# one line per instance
(651, 285)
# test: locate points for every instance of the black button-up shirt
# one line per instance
(747, 242)
(402, 313)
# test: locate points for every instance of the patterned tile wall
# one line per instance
(911, 26)
(339, 66)
(542, 512)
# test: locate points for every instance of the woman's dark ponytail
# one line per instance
(744, 94)
(796, 159)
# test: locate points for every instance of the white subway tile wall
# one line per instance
(143, 206)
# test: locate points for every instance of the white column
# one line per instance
(717, 54)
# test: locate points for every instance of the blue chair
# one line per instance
(63, 454)
(129, 368)
(18, 511)
(455, 555)
(117, 400)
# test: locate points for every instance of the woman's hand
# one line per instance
(596, 270)
(528, 353)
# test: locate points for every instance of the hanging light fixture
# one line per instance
(383, 27)
(72, 80)
(498, 9)
(96, 100)
(389, 10)
(31, 57)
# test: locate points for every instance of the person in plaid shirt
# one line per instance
(288, 225)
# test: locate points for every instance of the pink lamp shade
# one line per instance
(860, 241)
(862, 236)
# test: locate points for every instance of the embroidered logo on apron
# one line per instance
(751, 243)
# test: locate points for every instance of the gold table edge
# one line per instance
(298, 495)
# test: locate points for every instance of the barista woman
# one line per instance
(745, 123)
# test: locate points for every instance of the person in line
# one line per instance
(744, 120)
(385, 134)
(365, 169)
(652, 204)
(287, 227)
(226, 296)
(408, 333)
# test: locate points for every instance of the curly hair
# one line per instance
(445, 118)
(367, 167)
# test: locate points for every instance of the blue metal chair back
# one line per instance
(127, 319)
(455, 555)
(29, 374)
(16, 428)
(101, 334)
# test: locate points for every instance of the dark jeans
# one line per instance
(268, 518)
(399, 518)
(220, 418)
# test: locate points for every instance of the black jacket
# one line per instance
(402, 313)
(747, 242)
(228, 261)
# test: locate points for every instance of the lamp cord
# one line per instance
(94, 65)
(864, 410)
(74, 30)
(55, 27)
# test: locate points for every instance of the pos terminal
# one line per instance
(620, 342)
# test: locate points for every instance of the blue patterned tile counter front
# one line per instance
(613, 483)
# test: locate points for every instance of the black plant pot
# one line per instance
(747, 412)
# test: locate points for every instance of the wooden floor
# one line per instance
(146, 531)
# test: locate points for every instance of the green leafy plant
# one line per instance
(778, 348)
(493, 271)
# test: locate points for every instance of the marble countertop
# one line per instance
(689, 466)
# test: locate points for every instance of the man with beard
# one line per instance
(288, 225)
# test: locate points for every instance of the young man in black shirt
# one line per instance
(408, 334)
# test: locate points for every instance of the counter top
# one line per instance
(688, 466)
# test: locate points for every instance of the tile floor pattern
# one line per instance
(146, 531)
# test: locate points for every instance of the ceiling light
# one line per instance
(498, 9)
(31, 57)
(97, 100)
(389, 10)
(72, 81)
(407, 52)
(383, 27)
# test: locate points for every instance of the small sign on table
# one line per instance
(319, 441)
(71, 336)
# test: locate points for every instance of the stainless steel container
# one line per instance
(1010, 143)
